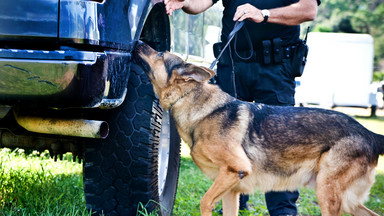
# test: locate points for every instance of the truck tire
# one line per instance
(138, 163)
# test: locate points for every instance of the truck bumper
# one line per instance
(63, 78)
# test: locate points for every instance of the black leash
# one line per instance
(236, 28)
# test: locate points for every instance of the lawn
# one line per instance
(35, 185)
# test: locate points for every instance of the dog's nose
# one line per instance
(138, 48)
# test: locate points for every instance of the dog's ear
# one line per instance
(197, 73)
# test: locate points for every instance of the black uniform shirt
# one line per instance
(258, 31)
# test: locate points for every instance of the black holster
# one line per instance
(217, 48)
(299, 58)
(225, 58)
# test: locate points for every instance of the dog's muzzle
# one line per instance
(141, 49)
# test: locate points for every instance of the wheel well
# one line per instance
(156, 30)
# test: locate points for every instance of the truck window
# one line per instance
(194, 35)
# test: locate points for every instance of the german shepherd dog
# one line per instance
(242, 146)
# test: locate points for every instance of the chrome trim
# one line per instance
(111, 103)
(67, 55)
(63, 78)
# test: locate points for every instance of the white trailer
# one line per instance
(338, 71)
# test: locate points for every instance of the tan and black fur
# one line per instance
(243, 146)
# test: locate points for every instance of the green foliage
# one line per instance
(343, 23)
(322, 28)
(378, 76)
(379, 48)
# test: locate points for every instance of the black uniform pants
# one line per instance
(272, 84)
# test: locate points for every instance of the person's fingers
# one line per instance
(246, 11)
(171, 5)
(241, 13)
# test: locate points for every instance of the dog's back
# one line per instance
(286, 127)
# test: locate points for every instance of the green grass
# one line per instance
(35, 185)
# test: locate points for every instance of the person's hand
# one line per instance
(248, 11)
(172, 5)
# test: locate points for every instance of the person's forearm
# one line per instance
(294, 14)
(196, 6)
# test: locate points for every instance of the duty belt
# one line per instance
(267, 52)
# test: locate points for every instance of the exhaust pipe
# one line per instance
(65, 127)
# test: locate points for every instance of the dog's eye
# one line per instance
(161, 54)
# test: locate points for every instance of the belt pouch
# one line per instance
(277, 50)
(267, 51)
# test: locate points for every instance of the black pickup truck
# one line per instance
(68, 84)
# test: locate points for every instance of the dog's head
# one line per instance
(170, 76)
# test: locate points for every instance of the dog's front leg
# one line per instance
(231, 203)
(226, 179)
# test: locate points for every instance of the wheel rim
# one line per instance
(164, 148)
